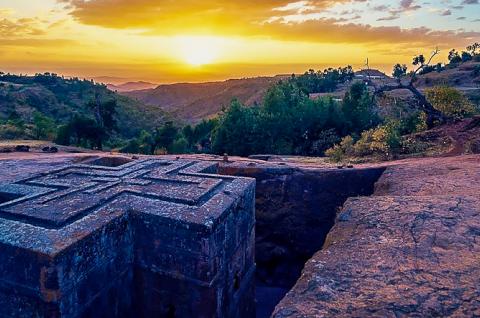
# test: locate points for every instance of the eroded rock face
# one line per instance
(295, 210)
(412, 250)
(148, 238)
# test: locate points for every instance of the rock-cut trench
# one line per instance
(295, 210)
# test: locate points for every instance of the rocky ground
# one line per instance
(411, 250)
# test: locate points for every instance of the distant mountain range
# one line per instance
(192, 102)
(144, 105)
(131, 86)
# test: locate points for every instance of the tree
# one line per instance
(15, 119)
(466, 57)
(179, 146)
(108, 111)
(146, 143)
(322, 81)
(133, 146)
(399, 73)
(164, 136)
(472, 49)
(189, 134)
(419, 60)
(64, 135)
(202, 134)
(105, 122)
(358, 109)
(81, 131)
(104, 113)
(44, 127)
(454, 57)
(236, 131)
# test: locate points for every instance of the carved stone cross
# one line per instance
(148, 238)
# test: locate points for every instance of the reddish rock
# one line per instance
(114, 237)
(295, 209)
(412, 250)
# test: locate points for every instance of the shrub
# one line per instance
(450, 101)
(439, 67)
(326, 139)
(335, 153)
(383, 141)
(466, 57)
(412, 123)
(179, 146)
(386, 140)
(421, 123)
(9, 131)
(341, 151)
(44, 127)
(362, 146)
(427, 69)
(413, 146)
(473, 146)
(454, 57)
(133, 146)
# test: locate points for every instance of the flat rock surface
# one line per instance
(21, 165)
(411, 250)
(432, 177)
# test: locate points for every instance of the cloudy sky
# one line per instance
(169, 41)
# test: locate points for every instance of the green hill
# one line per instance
(59, 100)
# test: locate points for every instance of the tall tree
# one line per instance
(404, 81)
(165, 136)
(472, 49)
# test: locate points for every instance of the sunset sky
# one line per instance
(166, 41)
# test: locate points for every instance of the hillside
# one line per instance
(131, 86)
(60, 99)
(192, 102)
(464, 77)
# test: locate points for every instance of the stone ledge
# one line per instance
(394, 257)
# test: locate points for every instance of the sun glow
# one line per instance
(198, 51)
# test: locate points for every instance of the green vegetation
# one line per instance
(384, 141)
(322, 81)
(451, 102)
(390, 139)
(71, 111)
(472, 53)
(43, 127)
(288, 121)
(169, 138)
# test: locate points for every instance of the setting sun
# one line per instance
(198, 51)
(230, 159)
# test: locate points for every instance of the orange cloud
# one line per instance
(255, 18)
(124, 37)
(28, 32)
(20, 27)
(331, 31)
(165, 16)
